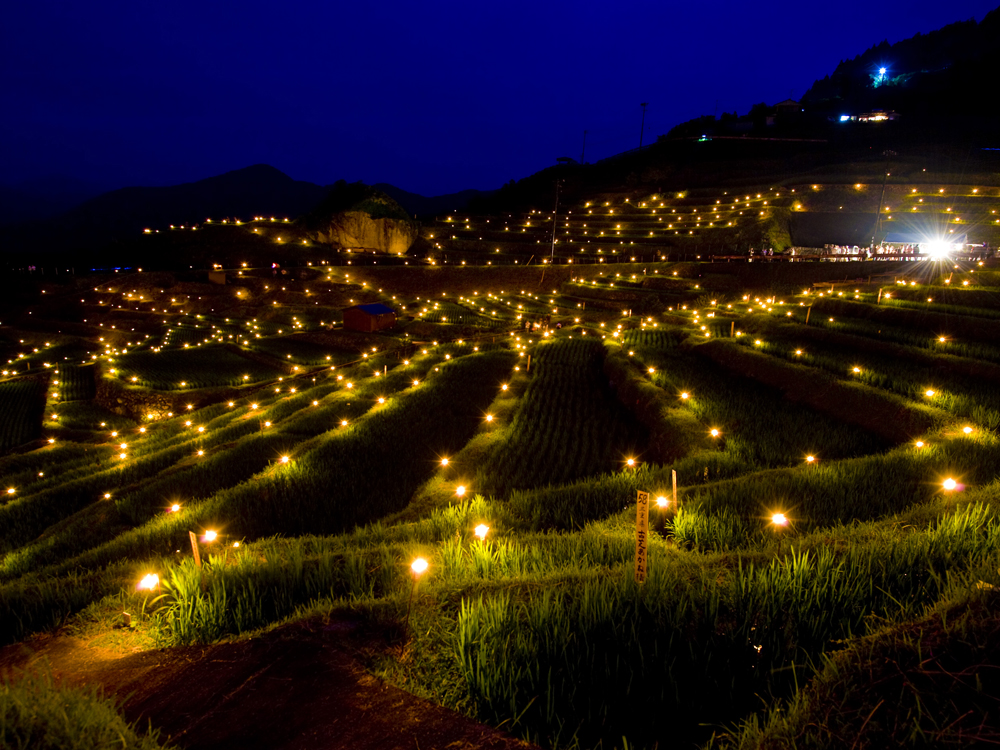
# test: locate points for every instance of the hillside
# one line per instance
(925, 75)
(427, 534)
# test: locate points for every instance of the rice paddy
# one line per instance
(836, 486)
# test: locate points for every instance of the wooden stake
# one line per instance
(808, 313)
(732, 329)
(194, 548)
(673, 476)
(641, 534)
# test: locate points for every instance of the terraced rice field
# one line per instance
(836, 462)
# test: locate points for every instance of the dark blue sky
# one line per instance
(432, 97)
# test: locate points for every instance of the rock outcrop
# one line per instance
(356, 229)
(359, 217)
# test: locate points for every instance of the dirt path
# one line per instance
(300, 687)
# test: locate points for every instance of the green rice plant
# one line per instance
(246, 590)
(936, 667)
(568, 424)
(586, 660)
(913, 325)
(811, 497)
(299, 350)
(87, 415)
(196, 367)
(908, 372)
(38, 714)
(22, 403)
(76, 382)
(36, 603)
(757, 425)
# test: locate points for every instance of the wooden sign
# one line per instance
(641, 534)
(194, 548)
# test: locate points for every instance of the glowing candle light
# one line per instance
(481, 531)
(661, 501)
(810, 459)
(175, 507)
(928, 393)
(920, 443)
(967, 430)
(149, 582)
(949, 484)
(285, 459)
(779, 519)
(211, 536)
(444, 461)
(714, 432)
(489, 417)
(460, 490)
(418, 566)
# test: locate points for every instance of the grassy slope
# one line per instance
(540, 626)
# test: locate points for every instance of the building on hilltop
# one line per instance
(787, 107)
(369, 318)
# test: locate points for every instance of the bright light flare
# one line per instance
(779, 519)
(460, 490)
(714, 432)
(949, 484)
(418, 566)
(481, 531)
(211, 536)
(662, 501)
(149, 582)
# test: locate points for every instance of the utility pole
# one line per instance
(584, 151)
(555, 215)
(642, 128)
(881, 198)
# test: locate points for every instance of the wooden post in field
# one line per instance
(808, 312)
(879, 296)
(194, 548)
(673, 477)
(641, 534)
(732, 329)
(528, 368)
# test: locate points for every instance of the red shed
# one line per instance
(369, 318)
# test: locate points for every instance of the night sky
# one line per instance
(431, 97)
